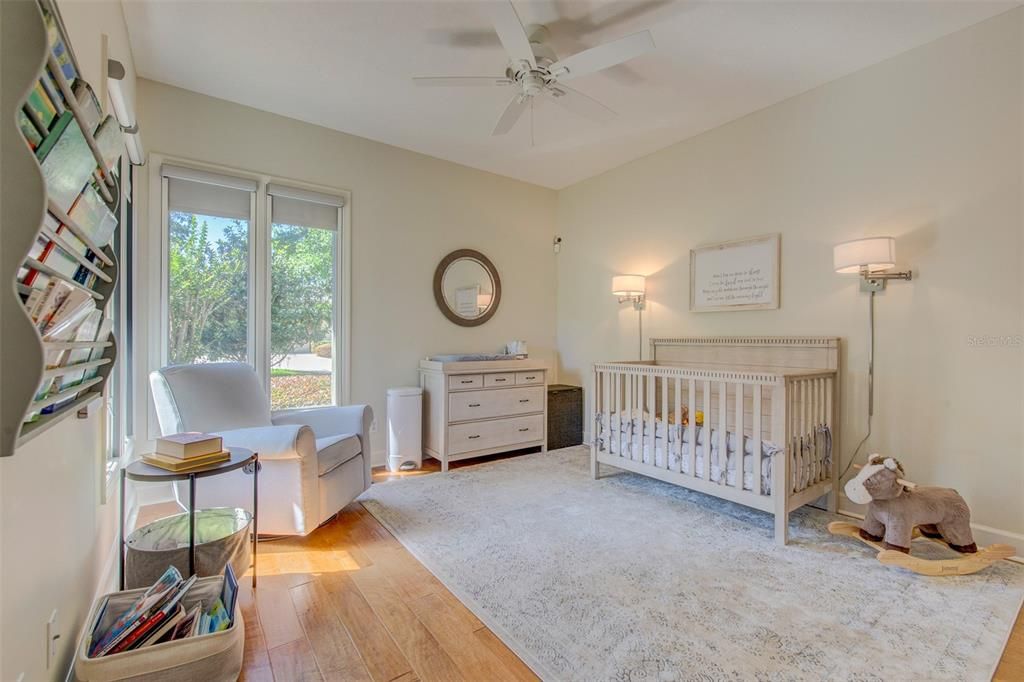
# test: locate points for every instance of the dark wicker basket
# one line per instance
(565, 416)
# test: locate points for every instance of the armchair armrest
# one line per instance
(278, 442)
(334, 421)
(329, 421)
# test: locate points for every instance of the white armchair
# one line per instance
(315, 460)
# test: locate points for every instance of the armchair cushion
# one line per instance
(209, 396)
(333, 451)
(283, 442)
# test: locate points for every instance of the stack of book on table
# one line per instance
(184, 451)
(158, 616)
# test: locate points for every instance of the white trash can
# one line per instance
(405, 418)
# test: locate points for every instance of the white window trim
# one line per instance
(151, 310)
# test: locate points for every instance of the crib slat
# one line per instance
(691, 424)
(801, 430)
(707, 431)
(612, 409)
(741, 453)
(756, 433)
(679, 425)
(723, 432)
(664, 417)
(606, 403)
(828, 415)
(819, 402)
(629, 415)
(652, 414)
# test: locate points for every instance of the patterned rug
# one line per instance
(628, 578)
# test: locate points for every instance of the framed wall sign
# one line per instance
(735, 275)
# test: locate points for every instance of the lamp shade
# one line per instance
(874, 253)
(628, 285)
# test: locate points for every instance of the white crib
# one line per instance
(780, 393)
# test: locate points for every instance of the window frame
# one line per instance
(337, 386)
(152, 309)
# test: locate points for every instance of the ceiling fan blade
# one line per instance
(459, 81)
(580, 104)
(511, 32)
(603, 56)
(512, 112)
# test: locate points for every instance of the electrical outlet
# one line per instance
(52, 635)
(373, 425)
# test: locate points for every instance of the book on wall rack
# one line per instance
(68, 164)
(60, 52)
(91, 214)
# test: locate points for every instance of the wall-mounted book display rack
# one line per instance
(59, 212)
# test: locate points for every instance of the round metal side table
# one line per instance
(140, 471)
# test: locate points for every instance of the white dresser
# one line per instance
(482, 408)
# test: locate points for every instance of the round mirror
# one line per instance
(467, 287)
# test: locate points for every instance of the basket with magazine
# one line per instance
(177, 629)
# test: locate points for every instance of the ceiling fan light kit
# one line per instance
(534, 68)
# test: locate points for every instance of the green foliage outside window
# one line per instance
(209, 290)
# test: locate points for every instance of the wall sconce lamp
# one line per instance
(632, 288)
(872, 258)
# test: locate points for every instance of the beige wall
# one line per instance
(56, 534)
(408, 211)
(926, 147)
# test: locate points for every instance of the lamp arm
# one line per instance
(908, 275)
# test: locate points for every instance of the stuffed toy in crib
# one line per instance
(896, 507)
(898, 511)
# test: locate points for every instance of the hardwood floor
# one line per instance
(348, 602)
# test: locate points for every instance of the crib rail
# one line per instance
(713, 429)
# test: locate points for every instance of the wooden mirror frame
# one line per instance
(439, 292)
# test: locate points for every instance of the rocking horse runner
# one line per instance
(899, 511)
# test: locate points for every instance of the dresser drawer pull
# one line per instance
(527, 428)
(524, 400)
(476, 436)
(500, 379)
(530, 378)
(474, 404)
(466, 381)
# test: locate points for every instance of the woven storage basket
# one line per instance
(565, 416)
(222, 537)
(214, 657)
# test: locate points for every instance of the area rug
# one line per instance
(628, 578)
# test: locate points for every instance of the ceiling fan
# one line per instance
(535, 70)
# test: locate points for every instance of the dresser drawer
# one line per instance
(485, 404)
(495, 433)
(499, 380)
(528, 378)
(457, 382)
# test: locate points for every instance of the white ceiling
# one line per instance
(347, 65)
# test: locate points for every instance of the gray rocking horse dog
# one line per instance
(899, 511)
(896, 507)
